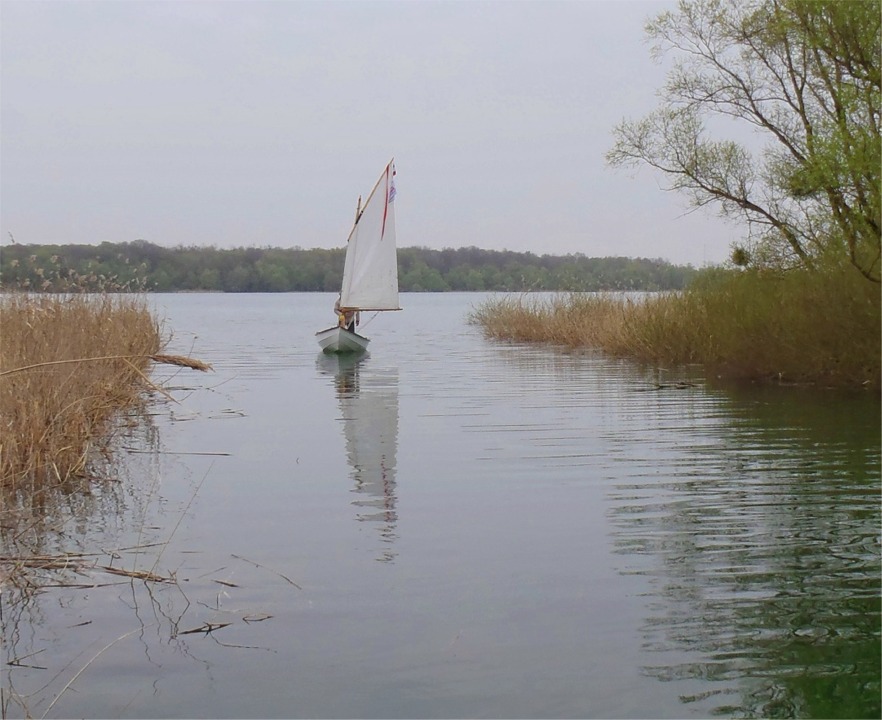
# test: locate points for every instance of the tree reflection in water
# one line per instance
(764, 565)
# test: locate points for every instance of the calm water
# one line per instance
(455, 528)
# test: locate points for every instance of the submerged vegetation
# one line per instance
(802, 326)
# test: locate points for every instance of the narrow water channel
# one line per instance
(451, 527)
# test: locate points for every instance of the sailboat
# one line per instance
(370, 272)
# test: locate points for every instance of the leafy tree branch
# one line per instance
(804, 75)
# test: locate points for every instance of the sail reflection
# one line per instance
(369, 410)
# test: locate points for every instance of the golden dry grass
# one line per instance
(69, 366)
(821, 328)
(602, 321)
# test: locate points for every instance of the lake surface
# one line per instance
(454, 528)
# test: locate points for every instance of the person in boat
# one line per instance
(348, 319)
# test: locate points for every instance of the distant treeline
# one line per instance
(145, 266)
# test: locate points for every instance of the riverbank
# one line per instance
(818, 328)
(71, 368)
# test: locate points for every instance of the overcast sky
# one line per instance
(259, 123)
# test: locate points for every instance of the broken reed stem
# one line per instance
(182, 361)
(179, 360)
(180, 519)
(93, 659)
(149, 383)
(77, 564)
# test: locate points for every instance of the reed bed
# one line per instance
(573, 320)
(821, 328)
(71, 366)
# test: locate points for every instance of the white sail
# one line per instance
(370, 274)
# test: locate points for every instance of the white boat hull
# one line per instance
(340, 340)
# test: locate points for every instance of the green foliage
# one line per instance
(740, 257)
(44, 268)
(803, 74)
(819, 325)
(143, 265)
(822, 325)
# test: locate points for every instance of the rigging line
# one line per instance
(369, 319)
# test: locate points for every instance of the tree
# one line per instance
(805, 74)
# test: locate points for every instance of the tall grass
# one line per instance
(799, 327)
(573, 320)
(69, 366)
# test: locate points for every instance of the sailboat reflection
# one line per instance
(369, 406)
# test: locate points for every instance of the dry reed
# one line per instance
(573, 320)
(71, 366)
(821, 328)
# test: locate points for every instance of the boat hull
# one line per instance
(340, 340)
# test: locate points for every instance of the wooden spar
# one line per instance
(379, 180)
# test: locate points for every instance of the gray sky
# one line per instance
(259, 123)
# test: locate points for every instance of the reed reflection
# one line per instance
(368, 399)
(761, 549)
(42, 518)
(67, 546)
